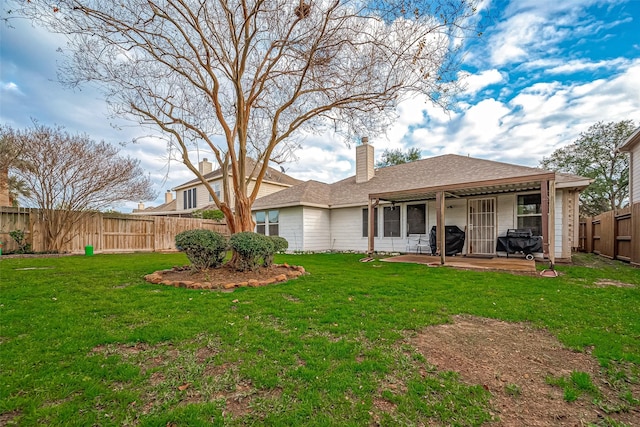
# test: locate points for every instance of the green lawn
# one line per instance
(85, 341)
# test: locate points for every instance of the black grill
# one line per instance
(519, 232)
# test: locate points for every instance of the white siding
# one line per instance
(202, 194)
(265, 188)
(560, 229)
(290, 227)
(346, 230)
(634, 177)
(506, 215)
(455, 213)
(316, 229)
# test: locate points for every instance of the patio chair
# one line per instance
(413, 242)
(424, 247)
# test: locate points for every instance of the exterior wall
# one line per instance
(456, 213)
(634, 178)
(346, 230)
(316, 232)
(506, 215)
(266, 188)
(316, 229)
(290, 226)
(202, 195)
(560, 235)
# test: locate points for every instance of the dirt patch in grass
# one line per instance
(614, 283)
(513, 361)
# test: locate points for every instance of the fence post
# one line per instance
(588, 245)
(614, 235)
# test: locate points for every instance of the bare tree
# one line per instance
(247, 78)
(70, 176)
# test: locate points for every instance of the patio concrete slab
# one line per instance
(519, 265)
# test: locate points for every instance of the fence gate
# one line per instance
(482, 226)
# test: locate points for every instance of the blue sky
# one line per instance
(542, 73)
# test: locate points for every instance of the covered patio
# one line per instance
(542, 181)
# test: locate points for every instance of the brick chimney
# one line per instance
(364, 161)
(168, 196)
(205, 166)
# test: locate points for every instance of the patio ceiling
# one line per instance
(479, 188)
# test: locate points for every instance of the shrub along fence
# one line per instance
(105, 232)
(613, 234)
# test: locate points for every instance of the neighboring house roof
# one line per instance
(308, 193)
(272, 176)
(436, 172)
(171, 206)
(631, 142)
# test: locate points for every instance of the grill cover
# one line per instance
(454, 240)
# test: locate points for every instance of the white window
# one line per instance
(417, 219)
(530, 213)
(268, 222)
(391, 216)
(216, 189)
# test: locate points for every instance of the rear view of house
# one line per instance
(396, 208)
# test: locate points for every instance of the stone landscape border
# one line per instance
(156, 278)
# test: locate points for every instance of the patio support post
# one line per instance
(440, 231)
(371, 226)
(544, 196)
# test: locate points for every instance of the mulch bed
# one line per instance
(225, 277)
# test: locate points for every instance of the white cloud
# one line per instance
(579, 65)
(10, 87)
(476, 82)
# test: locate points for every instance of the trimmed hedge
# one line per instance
(204, 248)
(281, 244)
(253, 250)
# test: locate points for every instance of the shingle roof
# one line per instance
(630, 142)
(307, 193)
(440, 171)
(166, 207)
(272, 175)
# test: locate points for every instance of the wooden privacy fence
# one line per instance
(613, 234)
(107, 233)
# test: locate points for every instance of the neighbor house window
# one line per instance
(365, 222)
(530, 213)
(417, 219)
(216, 189)
(189, 198)
(274, 219)
(391, 221)
(268, 222)
(261, 221)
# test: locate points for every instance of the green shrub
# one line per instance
(252, 250)
(280, 243)
(204, 248)
(214, 214)
(21, 239)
